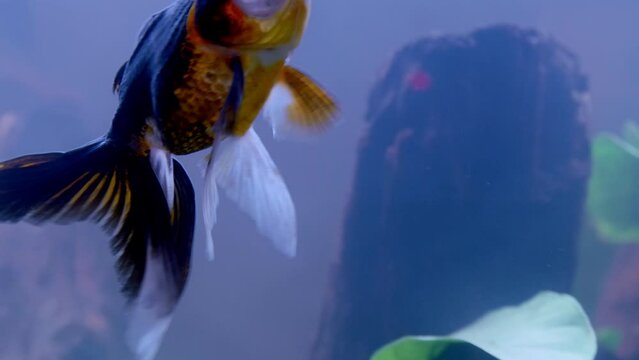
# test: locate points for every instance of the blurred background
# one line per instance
(58, 293)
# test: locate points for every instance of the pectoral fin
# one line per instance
(297, 103)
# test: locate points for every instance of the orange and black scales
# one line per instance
(202, 78)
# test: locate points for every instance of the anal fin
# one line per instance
(242, 167)
(247, 174)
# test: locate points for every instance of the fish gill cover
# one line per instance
(468, 191)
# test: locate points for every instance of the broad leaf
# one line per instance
(550, 326)
(613, 198)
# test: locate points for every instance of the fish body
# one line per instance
(185, 85)
(199, 76)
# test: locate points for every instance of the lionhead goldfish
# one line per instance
(201, 72)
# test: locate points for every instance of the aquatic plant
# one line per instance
(550, 326)
(613, 194)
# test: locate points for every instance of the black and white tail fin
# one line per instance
(112, 185)
(166, 270)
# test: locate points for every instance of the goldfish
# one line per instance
(200, 75)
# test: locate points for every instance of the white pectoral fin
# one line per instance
(152, 310)
(242, 167)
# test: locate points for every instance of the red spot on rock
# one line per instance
(419, 80)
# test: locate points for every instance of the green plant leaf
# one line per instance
(610, 338)
(414, 348)
(550, 326)
(613, 195)
(631, 134)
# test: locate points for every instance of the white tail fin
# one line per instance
(152, 310)
(242, 167)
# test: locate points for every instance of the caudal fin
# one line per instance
(119, 189)
(165, 273)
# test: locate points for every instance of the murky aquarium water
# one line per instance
(383, 180)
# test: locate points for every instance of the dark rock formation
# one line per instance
(468, 192)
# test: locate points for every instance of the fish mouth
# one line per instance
(261, 9)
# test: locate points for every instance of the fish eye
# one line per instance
(261, 8)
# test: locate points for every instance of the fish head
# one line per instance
(246, 25)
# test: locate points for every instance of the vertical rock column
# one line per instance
(468, 193)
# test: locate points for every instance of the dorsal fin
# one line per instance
(118, 78)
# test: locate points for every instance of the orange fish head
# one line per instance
(250, 24)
